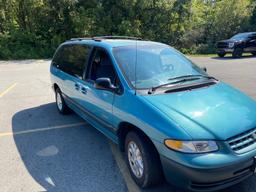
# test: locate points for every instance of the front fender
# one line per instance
(149, 119)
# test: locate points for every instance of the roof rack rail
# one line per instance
(116, 37)
(99, 38)
(80, 38)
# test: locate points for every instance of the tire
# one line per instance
(151, 173)
(253, 53)
(238, 52)
(60, 103)
(221, 54)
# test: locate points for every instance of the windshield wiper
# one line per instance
(183, 78)
(152, 90)
(186, 76)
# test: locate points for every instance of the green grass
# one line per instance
(201, 55)
(214, 55)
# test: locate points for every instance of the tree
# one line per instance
(34, 28)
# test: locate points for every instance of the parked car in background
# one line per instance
(168, 116)
(237, 45)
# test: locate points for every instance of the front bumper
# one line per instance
(225, 50)
(211, 179)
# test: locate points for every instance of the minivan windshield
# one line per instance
(150, 65)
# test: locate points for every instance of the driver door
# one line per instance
(98, 102)
(251, 45)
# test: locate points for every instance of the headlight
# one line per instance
(230, 45)
(192, 146)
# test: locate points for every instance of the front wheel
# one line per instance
(221, 54)
(142, 160)
(238, 52)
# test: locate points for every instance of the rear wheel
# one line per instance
(221, 54)
(254, 53)
(238, 52)
(60, 102)
(142, 160)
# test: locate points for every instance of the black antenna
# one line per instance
(136, 57)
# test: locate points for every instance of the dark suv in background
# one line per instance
(237, 45)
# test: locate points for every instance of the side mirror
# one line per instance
(204, 69)
(104, 84)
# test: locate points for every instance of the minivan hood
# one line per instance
(216, 112)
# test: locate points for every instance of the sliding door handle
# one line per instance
(84, 90)
(77, 86)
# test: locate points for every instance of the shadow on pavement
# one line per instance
(164, 187)
(69, 159)
(248, 185)
(75, 159)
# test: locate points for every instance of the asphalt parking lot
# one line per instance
(41, 150)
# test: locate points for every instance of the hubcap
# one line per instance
(135, 159)
(59, 101)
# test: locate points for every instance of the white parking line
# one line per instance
(3, 134)
(8, 89)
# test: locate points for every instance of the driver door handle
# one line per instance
(84, 90)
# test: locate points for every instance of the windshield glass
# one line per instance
(240, 36)
(156, 64)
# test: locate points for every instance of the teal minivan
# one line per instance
(168, 116)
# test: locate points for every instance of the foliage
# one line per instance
(34, 28)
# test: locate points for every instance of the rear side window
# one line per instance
(72, 59)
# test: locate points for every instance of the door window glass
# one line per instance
(102, 67)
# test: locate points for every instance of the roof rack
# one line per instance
(99, 38)
(80, 38)
(117, 37)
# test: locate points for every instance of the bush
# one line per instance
(34, 28)
(26, 45)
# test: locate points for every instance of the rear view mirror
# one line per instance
(104, 84)
(204, 69)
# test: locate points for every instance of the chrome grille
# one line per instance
(243, 142)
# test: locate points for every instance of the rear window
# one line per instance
(72, 59)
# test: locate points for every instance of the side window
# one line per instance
(57, 57)
(72, 59)
(102, 66)
(252, 37)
